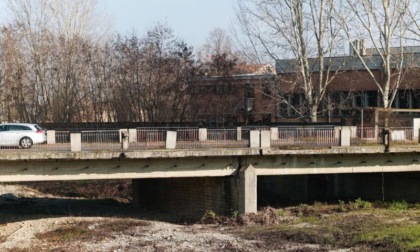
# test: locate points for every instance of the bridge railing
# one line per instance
(305, 136)
(196, 138)
(366, 135)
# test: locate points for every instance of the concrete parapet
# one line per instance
(265, 139)
(171, 139)
(76, 141)
(202, 134)
(132, 135)
(254, 139)
(50, 136)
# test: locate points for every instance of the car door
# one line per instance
(11, 136)
(3, 135)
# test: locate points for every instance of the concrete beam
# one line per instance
(48, 170)
(330, 164)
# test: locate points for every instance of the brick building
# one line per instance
(246, 96)
(253, 94)
(352, 89)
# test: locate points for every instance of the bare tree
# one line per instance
(383, 24)
(300, 29)
(151, 77)
(218, 42)
(53, 35)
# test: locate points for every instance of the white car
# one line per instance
(21, 134)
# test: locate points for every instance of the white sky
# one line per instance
(191, 20)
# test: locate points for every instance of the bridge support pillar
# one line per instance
(247, 200)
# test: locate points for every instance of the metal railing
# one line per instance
(402, 135)
(306, 136)
(366, 135)
(187, 138)
(149, 138)
(225, 138)
(101, 140)
(195, 138)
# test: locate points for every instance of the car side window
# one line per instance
(3, 128)
(25, 128)
(11, 128)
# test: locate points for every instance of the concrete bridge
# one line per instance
(193, 181)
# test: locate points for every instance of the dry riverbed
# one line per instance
(82, 216)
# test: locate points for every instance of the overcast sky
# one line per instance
(191, 20)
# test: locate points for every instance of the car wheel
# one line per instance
(25, 142)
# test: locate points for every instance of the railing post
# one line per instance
(202, 134)
(386, 138)
(170, 139)
(345, 136)
(238, 134)
(274, 133)
(265, 141)
(76, 142)
(416, 128)
(132, 135)
(50, 136)
(254, 139)
(124, 139)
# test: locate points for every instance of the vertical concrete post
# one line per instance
(124, 139)
(265, 141)
(416, 128)
(274, 133)
(337, 131)
(254, 139)
(247, 190)
(76, 141)
(238, 133)
(50, 136)
(345, 136)
(132, 135)
(202, 134)
(170, 139)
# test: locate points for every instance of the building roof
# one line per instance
(345, 63)
(254, 69)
